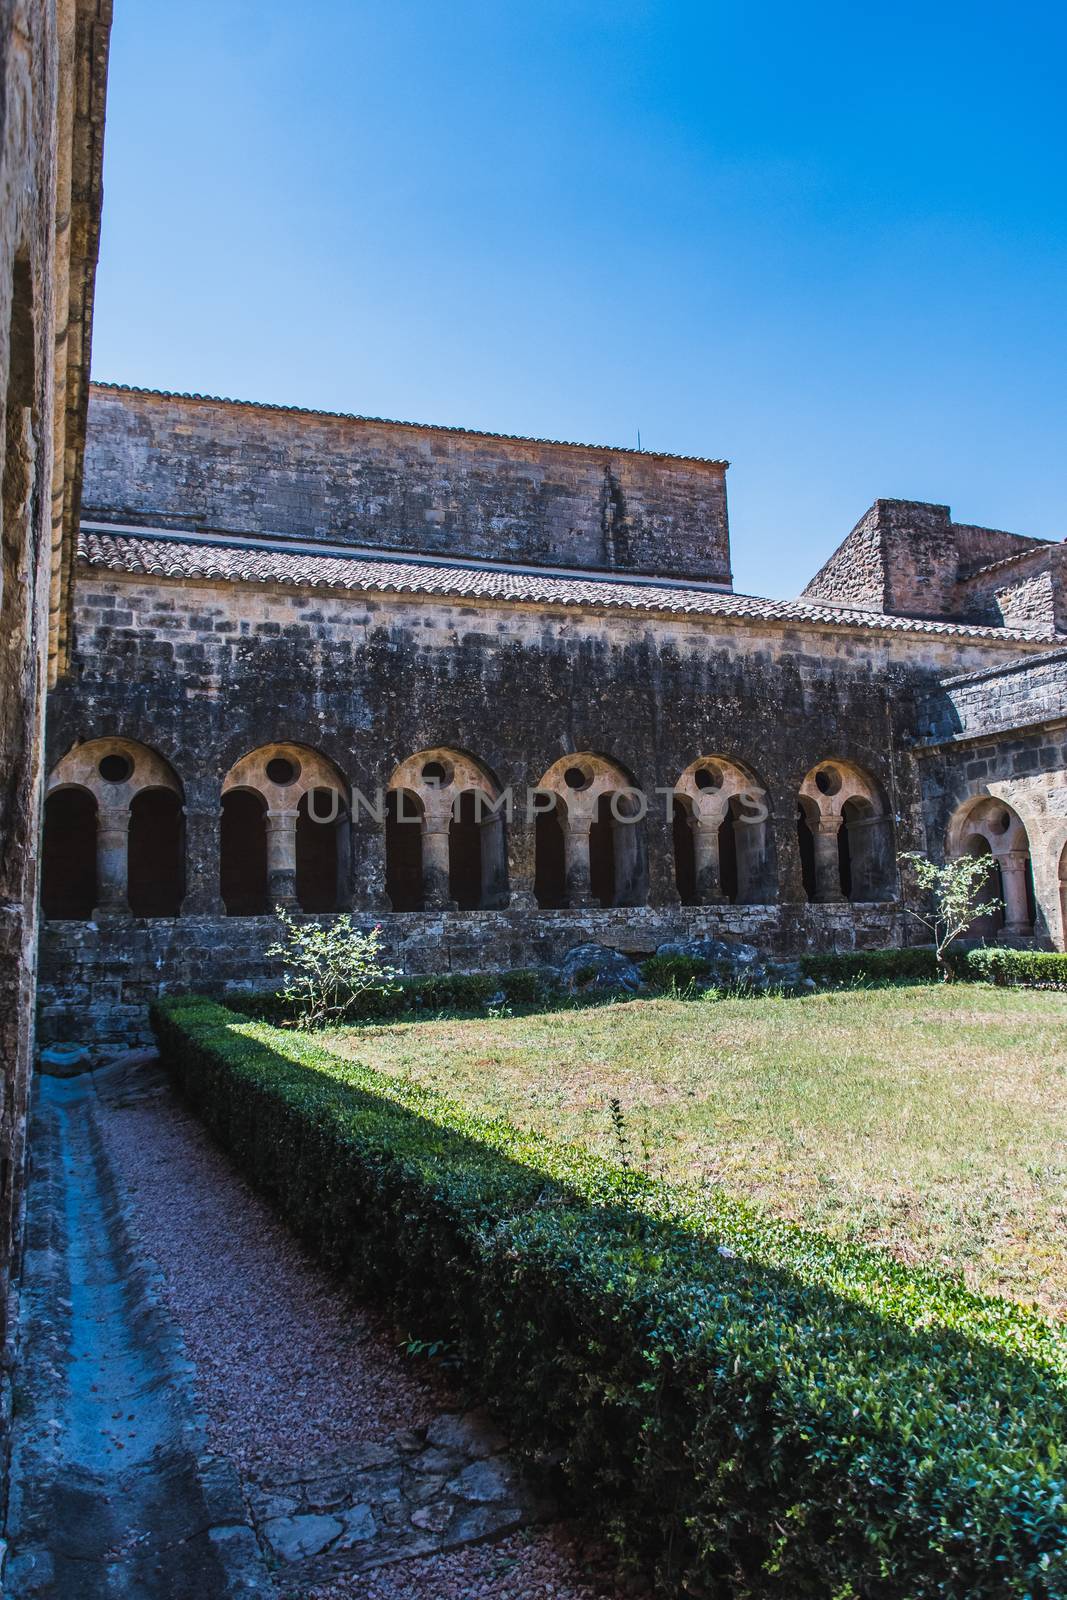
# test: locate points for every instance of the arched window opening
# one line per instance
(728, 854)
(685, 869)
(806, 847)
(322, 856)
(989, 825)
(403, 850)
(156, 870)
(602, 873)
(465, 853)
(68, 856)
(550, 862)
(991, 888)
(844, 859)
(243, 854)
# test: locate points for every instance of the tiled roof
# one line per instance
(178, 558)
(1036, 549)
(392, 422)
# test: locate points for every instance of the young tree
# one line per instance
(330, 967)
(954, 892)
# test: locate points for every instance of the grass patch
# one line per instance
(929, 1121)
(745, 1406)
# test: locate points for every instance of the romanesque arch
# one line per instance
(590, 839)
(985, 826)
(845, 835)
(285, 833)
(723, 844)
(445, 840)
(114, 833)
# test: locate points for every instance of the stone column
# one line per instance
(281, 859)
(1016, 907)
(202, 853)
(706, 861)
(576, 863)
(435, 878)
(522, 856)
(112, 862)
(827, 862)
(367, 876)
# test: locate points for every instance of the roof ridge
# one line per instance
(395, 422)
(384, 574)
(1039, 546)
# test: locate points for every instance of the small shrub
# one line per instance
(957, 894)
(329, 968)
(674, 973)
(1017, 968)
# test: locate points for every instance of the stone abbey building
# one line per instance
(498, 695)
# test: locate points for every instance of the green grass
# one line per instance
(928, 1121)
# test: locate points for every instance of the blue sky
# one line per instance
(828, 243)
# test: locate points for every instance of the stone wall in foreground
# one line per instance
(97, 979)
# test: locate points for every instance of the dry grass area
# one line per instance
(929, 1121)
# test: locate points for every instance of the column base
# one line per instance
(583, 902)
(112, 914)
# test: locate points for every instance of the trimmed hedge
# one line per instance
(1032, 968)
(748, 1408)
(415, 994)
(916, 964)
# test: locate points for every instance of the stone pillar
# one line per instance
(202, 858)
(655, 848)
(1016, 907)
(522, 856)
(435, 877)
(281, 859)
(112, 862)
(367, 875)
(576, 863)
(706, 861)
(827, 863)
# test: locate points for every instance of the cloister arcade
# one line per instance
(114, 837)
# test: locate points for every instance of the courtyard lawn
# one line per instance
(928, 1120)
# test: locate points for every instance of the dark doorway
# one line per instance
(465, 853)
(806, 845)
(243, 854)
(602, 853)
(68, 856)
(685, 863)
(403, 850)
(844, 858)
(321, 821)
(550, 862)
(156, 874)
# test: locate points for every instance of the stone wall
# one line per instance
(212, 465)
(98, 979)
(53, 64)
(910, 559)
(1003, 734)
(203, 672)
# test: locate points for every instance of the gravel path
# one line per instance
(287, 1366)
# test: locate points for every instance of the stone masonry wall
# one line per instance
(98, 979)
(204, 672)
(212, 465)
(1003, 733)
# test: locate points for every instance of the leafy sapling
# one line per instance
(954, 898)
(330, 968)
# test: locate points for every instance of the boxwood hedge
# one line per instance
(748, 1408)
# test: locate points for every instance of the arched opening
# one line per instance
(68, 856)
(403, 850)
(477, 864)
(728, 853)
(243, 854)
(465, 853)
(685, 866)
(602, 853)
(550, 859)
(156, 853)
(806, 848)
(321, 854)
(992, 888)
(988, 825)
